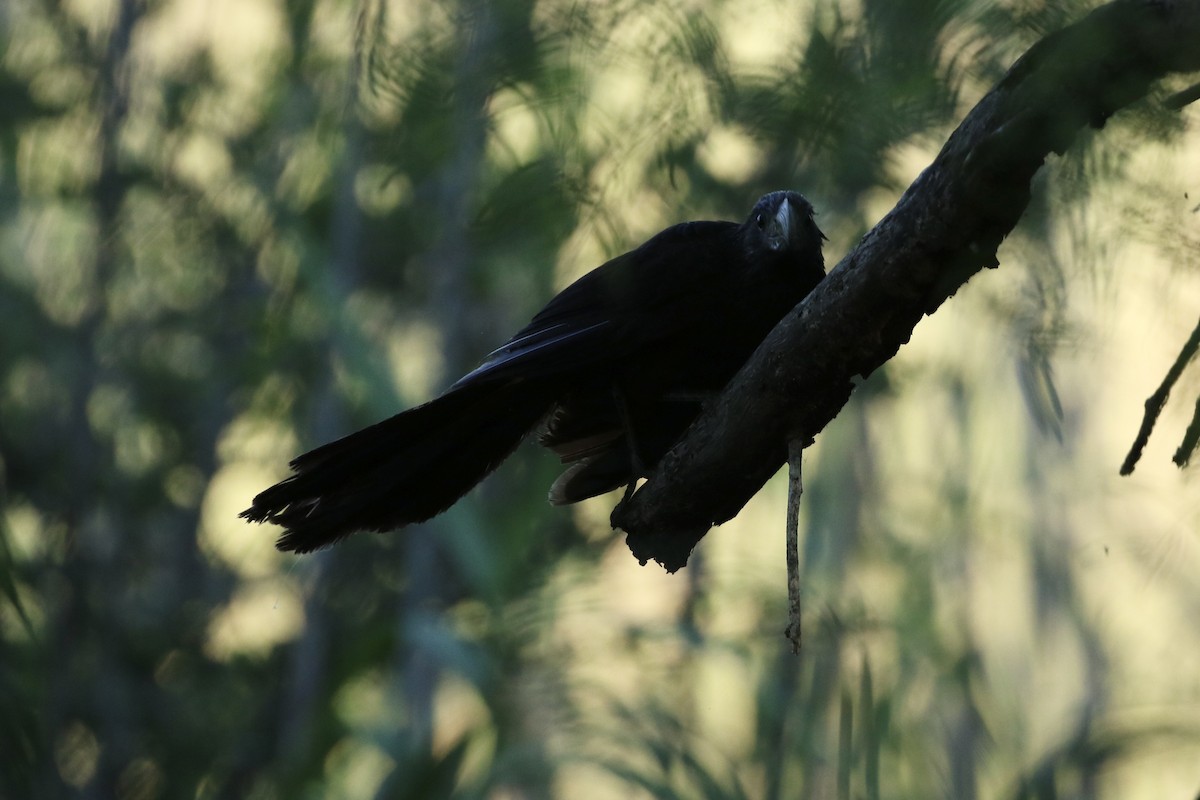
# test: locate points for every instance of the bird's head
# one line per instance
(782, 222)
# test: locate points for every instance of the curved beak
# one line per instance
(779, 230)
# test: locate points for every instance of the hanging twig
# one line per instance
(795, 490)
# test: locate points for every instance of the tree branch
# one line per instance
(946, 227)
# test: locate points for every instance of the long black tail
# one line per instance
(403, 470)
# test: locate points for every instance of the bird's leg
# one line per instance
(637, 466)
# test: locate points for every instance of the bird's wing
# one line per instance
(535, 353)
(625, 303)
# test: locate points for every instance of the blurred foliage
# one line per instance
(233, 230)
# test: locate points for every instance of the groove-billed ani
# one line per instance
(613, 369)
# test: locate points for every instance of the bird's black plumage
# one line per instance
(613, 370)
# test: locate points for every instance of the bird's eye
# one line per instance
(760, 221)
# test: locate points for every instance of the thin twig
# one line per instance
(1156, 401)
(1191, 438)
(1181, 99)
(795, 490)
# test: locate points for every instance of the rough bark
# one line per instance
(946, 227)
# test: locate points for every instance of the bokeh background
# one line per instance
(231, 230)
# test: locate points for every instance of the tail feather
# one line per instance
(591, 476)
(403, 470)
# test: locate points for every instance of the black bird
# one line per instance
(613, 370)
